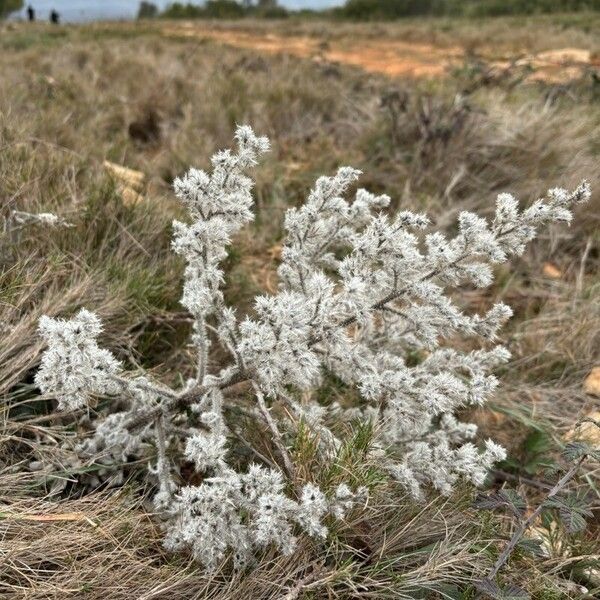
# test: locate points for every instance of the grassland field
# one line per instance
(440, 114)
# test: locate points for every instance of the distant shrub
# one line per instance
(9, 6)
(483, 8)
(177, 10)
(147, 10)
(363, 10)
(394, 9)
(269, 12)
(215, 9)
(225, 9)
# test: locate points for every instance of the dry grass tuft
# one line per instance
(105, 545)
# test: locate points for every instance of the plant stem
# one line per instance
(202, 349)
(277, 437)
(505, 554)
(162, 465)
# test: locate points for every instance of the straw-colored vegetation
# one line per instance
(157, 102)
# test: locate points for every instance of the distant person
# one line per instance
(30, 13)
(54, 17)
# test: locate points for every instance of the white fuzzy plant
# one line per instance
(360, 291)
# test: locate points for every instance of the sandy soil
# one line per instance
(390, 57)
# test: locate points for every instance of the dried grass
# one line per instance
(105, 545)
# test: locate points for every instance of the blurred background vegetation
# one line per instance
(366, 10)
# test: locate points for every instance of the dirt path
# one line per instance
(390, 57)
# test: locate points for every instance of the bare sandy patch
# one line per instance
(558, 66)
(388, 57)
(393, 58)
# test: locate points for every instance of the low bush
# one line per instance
(364, 298)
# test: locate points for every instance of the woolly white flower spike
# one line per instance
(20, 218)
(207, 451)
(313, 507)
(74, 366)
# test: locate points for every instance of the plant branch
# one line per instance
(518, 534)
(202, 349)
(277, 437)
